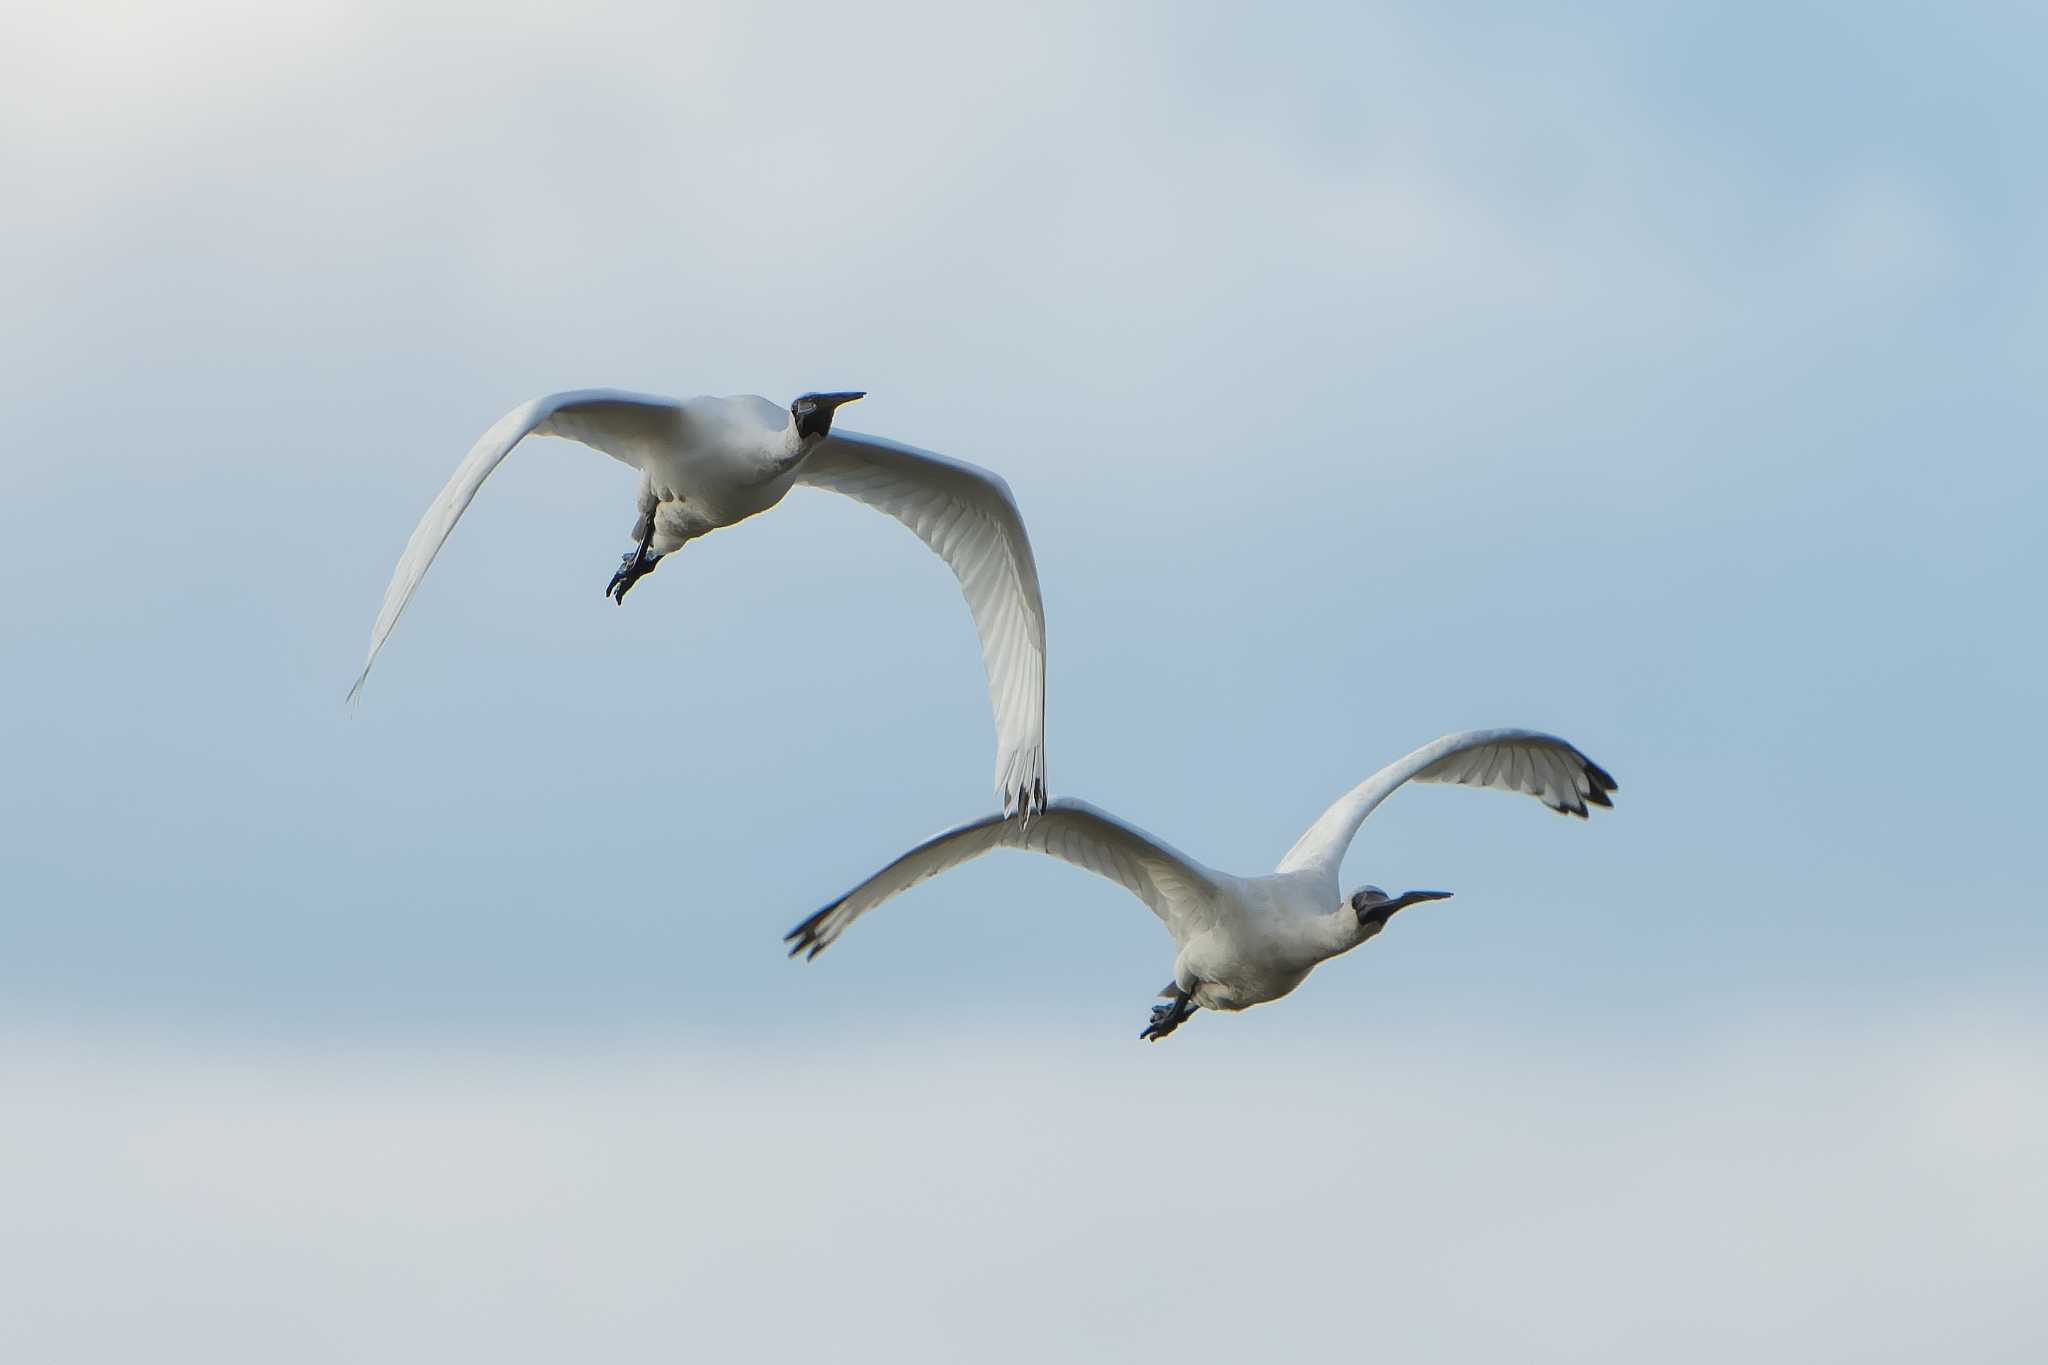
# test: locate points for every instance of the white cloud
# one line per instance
(1802, 1193)
(1072, 202)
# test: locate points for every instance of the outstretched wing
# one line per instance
(967, 516)
(1542, 765)
(622, 425)
(1173, 885)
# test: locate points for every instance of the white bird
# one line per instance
(710, 462)
(1242, 941)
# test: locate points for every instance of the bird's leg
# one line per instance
(639, 562)
(1171, 1015)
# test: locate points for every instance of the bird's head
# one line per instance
(812, 412)
(1371, 908)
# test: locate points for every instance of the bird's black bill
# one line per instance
(1381, 911)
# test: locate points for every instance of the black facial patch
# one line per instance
(811, 419)
(1374, 906)
(813, 412)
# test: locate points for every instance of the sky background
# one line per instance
(1669, 378)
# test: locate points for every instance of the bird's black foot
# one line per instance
(638, 563)
(1169, 1016)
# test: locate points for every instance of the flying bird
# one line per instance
(709, 462)
(1241, 941)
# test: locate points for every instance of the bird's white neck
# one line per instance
(1323, 936)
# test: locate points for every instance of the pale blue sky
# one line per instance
(1670, 383)
(1670, 378)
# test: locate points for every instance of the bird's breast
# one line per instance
(1237, 971)
(1246, 987)
(724, 477)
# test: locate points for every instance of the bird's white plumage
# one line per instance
(969, 519)
(710, 462)
(1540, 765)
(1241, 940)
(1174, 886)
(625, 426)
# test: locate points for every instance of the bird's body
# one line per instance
(728, 459)
(711, 462)
(1241, 941)
(1266, 937)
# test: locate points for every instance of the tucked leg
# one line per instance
(639, 562)
(1171, 1015)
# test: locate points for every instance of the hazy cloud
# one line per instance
(1789, 1188)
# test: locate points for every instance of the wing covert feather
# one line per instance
(622, 425)
(1540, 765)
(1172, 885)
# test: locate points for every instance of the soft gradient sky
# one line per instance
(1670, 377)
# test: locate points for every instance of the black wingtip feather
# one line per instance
(806, 935)
(1599, 782)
